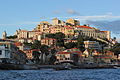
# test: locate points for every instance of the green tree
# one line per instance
(70, 45)
(12, 37)
(52, 59)
(36, 45)
(116, 49)
(80, 43)
(50, 35)
(44, 51)
(59, 36)
(36, 56)
(60, 39)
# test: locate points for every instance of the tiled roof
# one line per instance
(64, 53)
(103, 31)
(68, 27)
(18, 44)
(84, 27)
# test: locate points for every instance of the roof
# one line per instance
(48, 39)
(84, 27)
(18, 44)
(104, 31)
(68, 27)
(64, 53)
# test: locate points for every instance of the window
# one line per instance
(6, 53)
(0, 52)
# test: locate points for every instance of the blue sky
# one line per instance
(26, 14)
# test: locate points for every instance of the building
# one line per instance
(25, 36)
(56, 21)
(69, 40)
(4, 35)
(9, 53)
(19, 45)
(70, 55)
(72, 22)
(87, 31)
(92, 45)
(71, 28)
(48, 41)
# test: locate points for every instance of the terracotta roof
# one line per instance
(64, 53)
(69, 27)
(23, 30)
(18, 44)
(84, 27)
(103, 31)
(48, 39)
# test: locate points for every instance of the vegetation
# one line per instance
(80, 43)
(116, 49)
(36, 44)
(70, 45)
(36, 55)
(12, 37)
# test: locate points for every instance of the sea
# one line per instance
(50, 74)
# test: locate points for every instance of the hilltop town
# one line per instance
(59, 42)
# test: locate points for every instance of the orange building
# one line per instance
(48, 41)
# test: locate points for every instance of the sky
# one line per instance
(27, 14)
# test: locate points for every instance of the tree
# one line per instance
(36, 45)
(80, 43)
(53, 51)
(12, 37)
(36, 56)
(70, 45)
(116, 49)
(44, 51)
(52, 59)
(50, 35)
(59, 36)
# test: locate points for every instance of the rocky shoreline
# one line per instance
(56, 67)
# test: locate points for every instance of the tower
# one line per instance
(4, 35)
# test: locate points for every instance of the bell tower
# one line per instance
(4, 35)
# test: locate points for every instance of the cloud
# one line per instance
(21, 23)
(118, 40)
(113, 26)
(73, 12)
(56, 12)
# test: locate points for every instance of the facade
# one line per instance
(4, 52)
(68, 40)
(92, 45)
(56, 21)
(72, 22)
(72, 55)
(4, 35)
(28, 36)
(91, 32)
(48, 41)
(10, 53)
(72, 28)
(29, 54)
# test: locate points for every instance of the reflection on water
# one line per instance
(49, 74)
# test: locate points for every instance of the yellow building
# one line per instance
(71, 28)
(56, 21)
(72, 22)
(67, 30)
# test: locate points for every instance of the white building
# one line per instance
(4, 52)
(9, 53)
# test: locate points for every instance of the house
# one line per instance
(70, 55)
(9, 53)
(48, 41)
(92, 45)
